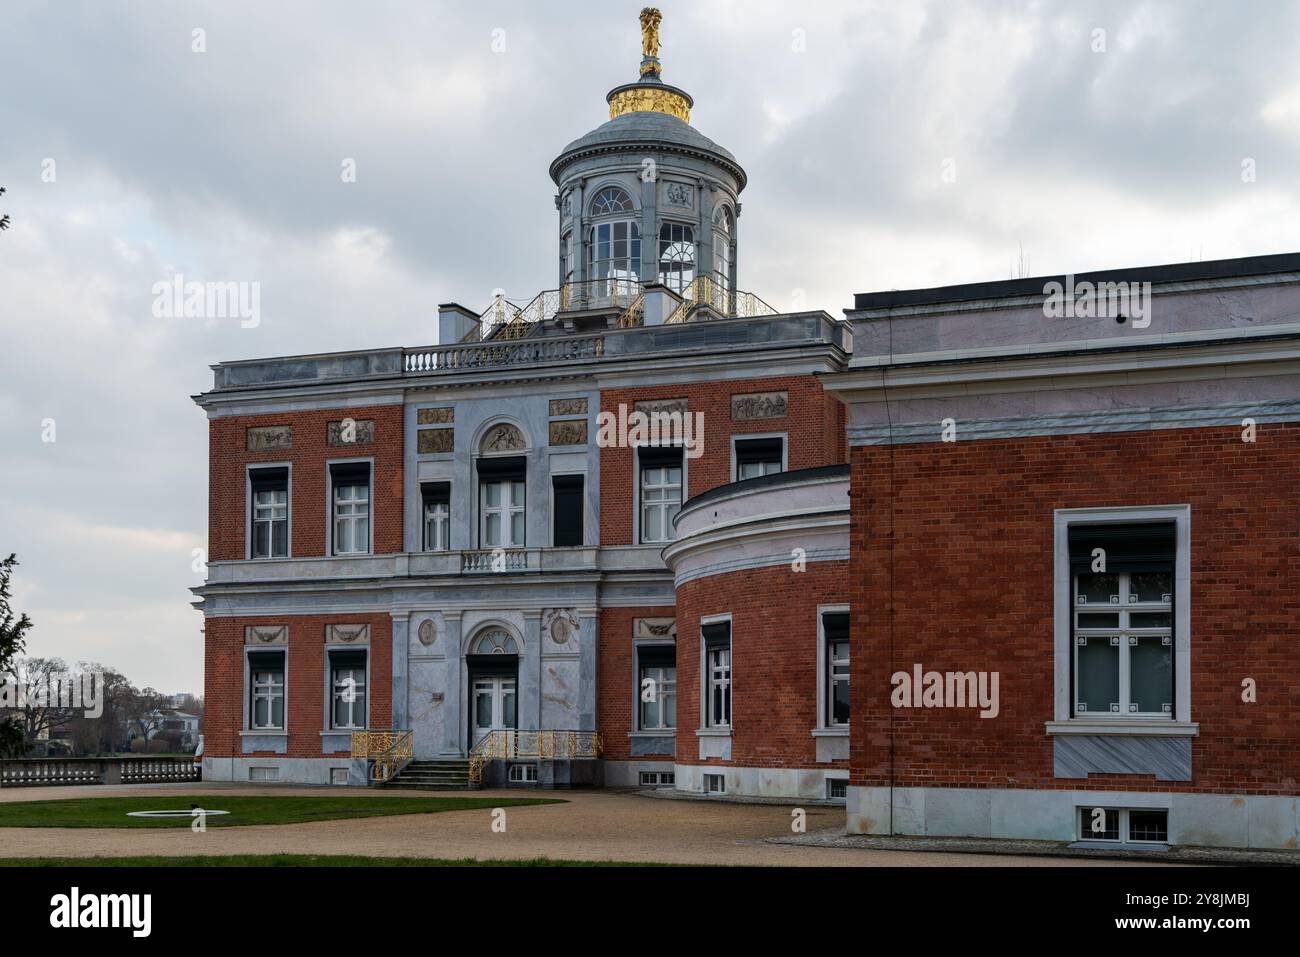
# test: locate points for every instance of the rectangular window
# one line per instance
(436, 500)
(1122, 619)
(266, 691)
(523, 773)
(654, 779)
(657, 687)
(347, 690)
(755, 457)
(263, 774)
(502, 512)
(269, 517)
(835, 633)
(717, 674)
(1124, 825)
(660, 490)
(837, 789)
(715, 784)
(567, 529)
(351, 484)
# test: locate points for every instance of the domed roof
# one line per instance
(645, 129)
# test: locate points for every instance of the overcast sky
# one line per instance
(225, 165)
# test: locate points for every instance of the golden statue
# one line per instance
(650, 18)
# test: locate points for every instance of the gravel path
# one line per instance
(594, 825)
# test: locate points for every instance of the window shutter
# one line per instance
(660, 456)
(503, 468)
(269, 480)
(717, 635)
(1136, 547)
(758, 450)
(657, 656)
(835, 625)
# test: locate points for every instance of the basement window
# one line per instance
(1124, 825)
(654, 779)
(715, 784)
(837, 789)
(523, 774)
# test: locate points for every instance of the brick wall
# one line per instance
(774, 660)
(814, 427)
(223, 679)
(228, 457)
(615, 718)
(972, 588)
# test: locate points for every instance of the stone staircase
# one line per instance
(444, 775)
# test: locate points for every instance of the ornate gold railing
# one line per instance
(388, 751)
(709, 290)
(549, 745)
(505, 320)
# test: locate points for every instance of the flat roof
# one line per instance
(1012, 288)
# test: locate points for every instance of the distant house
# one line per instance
(163, 722)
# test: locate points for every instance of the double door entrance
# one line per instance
(495, 706)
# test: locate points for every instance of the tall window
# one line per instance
(567, 245)
(266, 691)
(503, 514)
(835, 633)
(1123, 661)
(676, 256)
(613, 243)
(568, 499)
(269, 521)
(717, 674)
(660, 491)
(722, 232)
(755, 457)
(347, 689)
(657, 687)
(436, 499)
(351, 482)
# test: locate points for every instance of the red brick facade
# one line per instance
(615, 698)
(968, 572)
(814, 427)
(305, 691)
(773, 660)
(228, 457)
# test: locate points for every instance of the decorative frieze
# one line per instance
(266, 634)
(653, 406)
(503, 437)
(654, 628)
(430, 441)
(351, 432)
(347, 634)
(679, 194)
(269, 438)
(435, 416)
(572, 432)
(760, 405)
(568, 407)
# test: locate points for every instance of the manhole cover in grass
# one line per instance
(194, 813)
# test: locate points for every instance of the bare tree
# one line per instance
(43, 711)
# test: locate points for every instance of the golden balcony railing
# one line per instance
(388, 751)
(710, 290)
(541, 745)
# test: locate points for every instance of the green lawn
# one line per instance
(244, 809)
(298, 860)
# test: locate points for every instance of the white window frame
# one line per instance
(249, 469)
(824, 669)
(639, 504)
(506, 512)
(1063, 592)
(745, 436)
(435, 543)
(640, 676)
(332, 691)
(250, 692)
(330, 508)
(706, 676)
(1083, 816)
(1124, 637)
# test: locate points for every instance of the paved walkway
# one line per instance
(593, 825)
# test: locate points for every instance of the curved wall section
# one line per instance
(761, 572)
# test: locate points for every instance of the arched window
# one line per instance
(611, 200)
(613, 244)
(722, 232)
(494, 642)
(676, 256)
